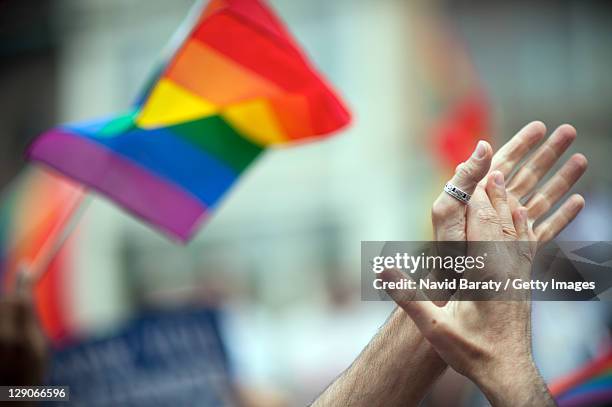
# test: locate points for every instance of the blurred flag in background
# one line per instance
(35, 210)
(590, 385)
(459, 112)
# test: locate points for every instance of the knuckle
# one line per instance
(440, 210)
(466, 171)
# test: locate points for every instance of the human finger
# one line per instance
(496, 191)
(448, 213)
(538, 165)
(513, 152)
(483, 222)
(555, 223)
(548, 196)
(521, 225)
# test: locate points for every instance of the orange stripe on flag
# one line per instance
(229, 82)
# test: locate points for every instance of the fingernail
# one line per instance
(480, 150)
(499, 178)
(522, 212)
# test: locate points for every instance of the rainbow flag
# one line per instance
(236, 85)
(590, 385)
(27, 228)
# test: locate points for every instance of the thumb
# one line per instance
(448, 213)
(471, 172)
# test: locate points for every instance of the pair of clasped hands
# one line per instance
(490, 341)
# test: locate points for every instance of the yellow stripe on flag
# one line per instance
(256, 121)
(171, 104)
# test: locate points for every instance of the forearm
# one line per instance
(518, 385)
(397, 368)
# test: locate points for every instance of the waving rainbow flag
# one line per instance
(237, 84)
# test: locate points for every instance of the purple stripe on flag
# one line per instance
(139, 191)
(594, 398)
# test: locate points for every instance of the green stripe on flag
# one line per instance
(213, 135)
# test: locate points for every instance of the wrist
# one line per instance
(401, 327)
(513, 382)
(414, 354)
(397, 368)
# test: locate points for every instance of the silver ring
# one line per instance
(457, 193)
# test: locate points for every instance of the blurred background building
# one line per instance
(281, 256)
